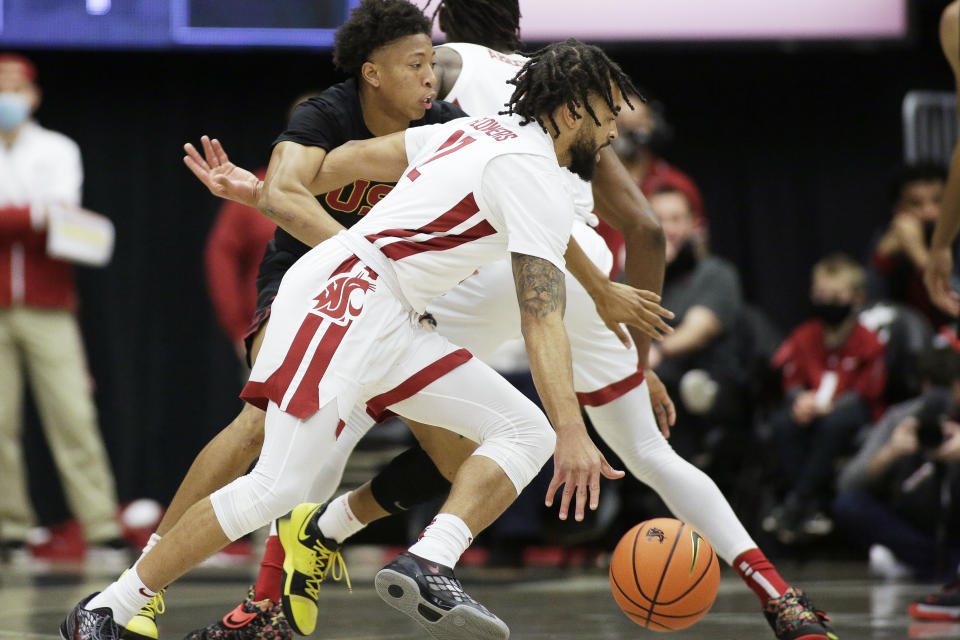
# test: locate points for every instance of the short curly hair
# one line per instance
(373, 24)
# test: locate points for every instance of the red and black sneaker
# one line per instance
(792, 617)
(944, 605)
(250, 620)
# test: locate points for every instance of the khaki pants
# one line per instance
(46, 344)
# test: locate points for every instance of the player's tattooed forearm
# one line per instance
(540, 285)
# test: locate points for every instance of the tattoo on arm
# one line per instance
(540, 286)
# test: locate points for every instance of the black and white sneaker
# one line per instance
(83, 624)
(432, 595)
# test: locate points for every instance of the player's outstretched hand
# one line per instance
(577, 467)
(662, 404)
(621, 303)
(937, 278)
(223, 178)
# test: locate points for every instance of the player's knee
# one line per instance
(544, 442)
(253, 501)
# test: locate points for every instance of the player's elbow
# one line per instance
(643, 229)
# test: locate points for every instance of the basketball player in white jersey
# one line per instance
(480, 314)
(479, 58)
(345, 333)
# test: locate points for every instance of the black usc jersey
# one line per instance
(329, 120)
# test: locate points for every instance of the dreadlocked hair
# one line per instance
(373, 24)
(491, 23)
(566, 73)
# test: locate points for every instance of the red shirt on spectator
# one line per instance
(232, 256)
(858, 363)
(660, 173)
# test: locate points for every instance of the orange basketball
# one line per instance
(664, 574)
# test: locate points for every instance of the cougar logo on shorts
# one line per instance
(343, 298)
(655, 533)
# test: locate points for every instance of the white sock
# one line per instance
(273, 528)
(338, 521)
(125, 597)
(444, 540)
(151, 542)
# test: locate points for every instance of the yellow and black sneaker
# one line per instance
(309, 558)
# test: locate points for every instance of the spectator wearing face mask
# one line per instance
(40, 176)
(833, 377)
(643, 134)
(901, 253)
(704, 293)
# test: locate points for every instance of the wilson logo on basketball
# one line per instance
(343, 298)
(655, 533)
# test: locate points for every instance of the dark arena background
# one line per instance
(791, 127)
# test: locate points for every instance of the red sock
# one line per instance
(760, 575)
(270, 578)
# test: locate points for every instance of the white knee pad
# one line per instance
(252, 501)
(520, 450)
(299, 457)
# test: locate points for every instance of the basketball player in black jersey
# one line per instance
(386, 49)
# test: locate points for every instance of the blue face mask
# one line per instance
(14, 110)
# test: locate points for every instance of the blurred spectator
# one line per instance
(890, 494)
(643, 134)
(232, 256)
(39, 171)
(698, 362)
(901, 252)
(833, 376)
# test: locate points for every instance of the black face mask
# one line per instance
(832, 314)
(683, 263)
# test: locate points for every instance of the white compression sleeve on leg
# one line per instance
(295, 454)
(628, 426)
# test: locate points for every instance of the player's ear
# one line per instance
(370, 74)
(566, 119)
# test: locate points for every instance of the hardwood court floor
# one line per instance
(538, 605)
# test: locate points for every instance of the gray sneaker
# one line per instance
(431, 595)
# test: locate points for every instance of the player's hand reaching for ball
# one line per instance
(223, 178)
(577, 467)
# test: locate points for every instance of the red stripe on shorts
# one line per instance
(377, 405)
(306, 399)
(259, 394)
(611, 392)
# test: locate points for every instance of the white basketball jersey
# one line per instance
(482, 88)
(475, 190)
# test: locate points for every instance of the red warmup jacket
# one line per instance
(859, 363)
(232, 256)
(28, 276)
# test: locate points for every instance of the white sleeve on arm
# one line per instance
(525, 192)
